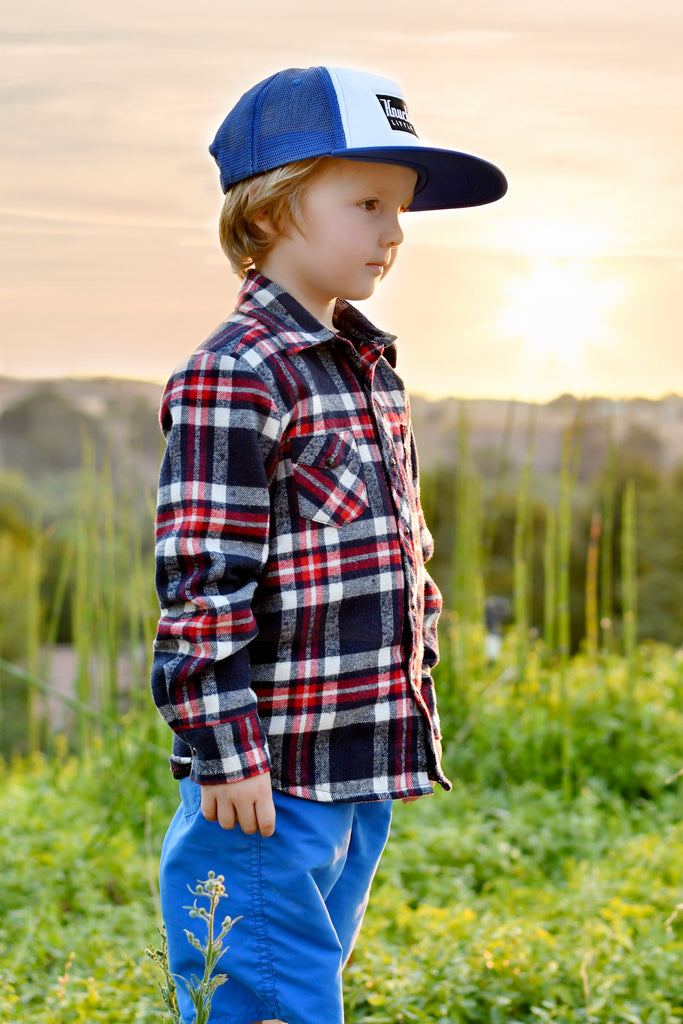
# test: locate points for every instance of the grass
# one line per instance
(594, 939)
(77, 889)
(506, 901)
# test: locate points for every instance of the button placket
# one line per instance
(399, 488)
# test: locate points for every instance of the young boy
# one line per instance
(298, 623)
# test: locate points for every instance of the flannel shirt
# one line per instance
(298, 623)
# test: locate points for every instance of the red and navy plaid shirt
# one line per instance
(298, 624)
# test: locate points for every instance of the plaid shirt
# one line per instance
(298, 624)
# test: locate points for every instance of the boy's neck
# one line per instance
(321, 309)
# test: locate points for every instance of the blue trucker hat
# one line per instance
(339, 112)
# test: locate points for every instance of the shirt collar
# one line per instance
(297, 329)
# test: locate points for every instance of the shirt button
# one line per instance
(392, 462)
(329, 461)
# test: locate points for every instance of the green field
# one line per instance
(508, 900)
(547, 887)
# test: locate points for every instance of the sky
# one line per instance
(109, 259)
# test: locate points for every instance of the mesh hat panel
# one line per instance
(308, 127)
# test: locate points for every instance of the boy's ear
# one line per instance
(264, 223)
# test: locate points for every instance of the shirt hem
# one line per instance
(353, 797)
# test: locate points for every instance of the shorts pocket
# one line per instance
(191, 796)
(328, 478)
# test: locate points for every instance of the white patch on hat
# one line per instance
(372, 109)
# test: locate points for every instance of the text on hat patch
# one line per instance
(396, 113)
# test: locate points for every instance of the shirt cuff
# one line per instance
(225, 752)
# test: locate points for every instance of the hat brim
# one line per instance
(447, 180)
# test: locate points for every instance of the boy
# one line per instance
(298, 623)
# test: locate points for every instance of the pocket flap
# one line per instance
(328, 477)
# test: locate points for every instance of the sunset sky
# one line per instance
(573, 282)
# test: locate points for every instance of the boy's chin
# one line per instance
(360, 294)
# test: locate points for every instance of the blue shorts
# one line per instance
(301, 894)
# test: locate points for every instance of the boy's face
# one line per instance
(349, 238)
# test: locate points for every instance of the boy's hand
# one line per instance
(248, 803)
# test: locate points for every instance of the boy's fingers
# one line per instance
(246, 816)
(209, 806)
(213, 809)
(227, 818)
(265, 814)
(258, 817)
(248, 803)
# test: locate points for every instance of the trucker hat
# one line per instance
(340, 112)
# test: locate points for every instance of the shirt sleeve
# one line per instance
(212, 536)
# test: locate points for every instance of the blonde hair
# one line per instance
(278, 194)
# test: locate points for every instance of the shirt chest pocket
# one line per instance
(328, 478)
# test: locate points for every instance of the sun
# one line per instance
(564, 303)
(559, 309)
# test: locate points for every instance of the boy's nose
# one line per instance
(393, 234)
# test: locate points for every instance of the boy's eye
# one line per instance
(369, 204)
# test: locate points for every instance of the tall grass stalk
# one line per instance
(521, 560)
(467, 600)
(53, 613)
(563, 607)
(85, 594)
(629, 582)
(142, 599)
(592, 561)
(500, 479)
(550, 581)
(34, 571)
(109, 624)
(468, 588)
(607, 542)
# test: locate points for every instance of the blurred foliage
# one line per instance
(659, 536)
(503, 901)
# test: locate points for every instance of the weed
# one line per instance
(167, 986)
(201, 990)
